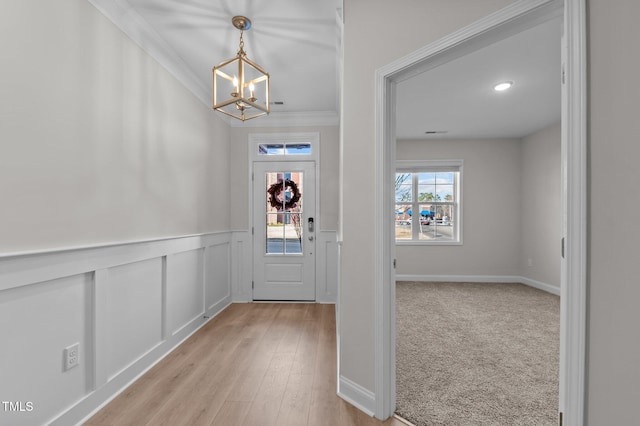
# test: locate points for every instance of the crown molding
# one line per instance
(289, 119)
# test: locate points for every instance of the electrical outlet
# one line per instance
(71, 356)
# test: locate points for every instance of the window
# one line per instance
(284, 149)
(427, 202)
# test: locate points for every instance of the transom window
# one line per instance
(427, 202)
(284, 149)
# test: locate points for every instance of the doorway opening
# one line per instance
(509, 142)
(509, 20)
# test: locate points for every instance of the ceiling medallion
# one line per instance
(240, 86)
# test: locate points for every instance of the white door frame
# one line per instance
(511, 19)
(312, 138)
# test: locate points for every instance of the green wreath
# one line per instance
(276, 189)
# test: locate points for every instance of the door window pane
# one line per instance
(283, 208)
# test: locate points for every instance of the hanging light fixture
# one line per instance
(240, 86)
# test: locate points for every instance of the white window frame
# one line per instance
(431, 166)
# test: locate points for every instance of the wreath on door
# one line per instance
(275, 193)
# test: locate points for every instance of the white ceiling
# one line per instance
(298, 41)
(458, 97)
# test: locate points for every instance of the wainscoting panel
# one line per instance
(132, 319)
(242, 266)
(327, 271)
(217, 274)
(37, 322)
(185, 288)
(125, 305)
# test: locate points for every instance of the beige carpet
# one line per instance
(476, 354)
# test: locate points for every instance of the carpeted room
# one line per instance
(476, 341)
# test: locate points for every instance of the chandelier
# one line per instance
(240, 86)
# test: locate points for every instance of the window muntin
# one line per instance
(284, 149)
(427, 204)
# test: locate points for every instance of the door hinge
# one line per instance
(562, 248)
(562, 77)
(560, 418)
(252, 284)
(394, 263)
(252, 229)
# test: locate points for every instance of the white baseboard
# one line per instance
(541, 286)
(482, 279)
(361, 398)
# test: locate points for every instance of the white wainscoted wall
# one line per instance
(126, 306)
(326, 266)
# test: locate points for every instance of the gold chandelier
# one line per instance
(242, 80)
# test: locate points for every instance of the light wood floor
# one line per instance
(253, 364)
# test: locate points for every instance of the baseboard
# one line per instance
(541, 286)
(481, 279)
(361, 398)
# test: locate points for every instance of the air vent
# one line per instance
(435, 132)
(277, 103)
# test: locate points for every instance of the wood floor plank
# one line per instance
(254, 364)
(231, 413)
(296, 400)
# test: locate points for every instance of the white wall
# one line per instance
(376, 32)
(541, 207)
(99, 143)
(614, 293)
(512, 211)
(491, 218)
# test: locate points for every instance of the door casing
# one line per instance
(311, 138)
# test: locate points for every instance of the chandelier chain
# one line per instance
(241, 51)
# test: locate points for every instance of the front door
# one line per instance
(284, 214)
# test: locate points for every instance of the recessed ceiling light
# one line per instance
(502, 86)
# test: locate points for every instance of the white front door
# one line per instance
(284, 225)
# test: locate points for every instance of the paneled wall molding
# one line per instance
(242, 264)
(482, 279)
(126, 306)
(326, 266)
(327, 271)
(37, 266)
